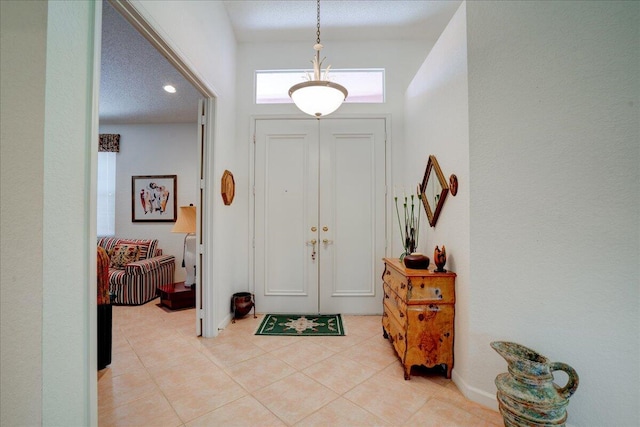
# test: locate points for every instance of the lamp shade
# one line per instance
(318, 97)
(186, 222)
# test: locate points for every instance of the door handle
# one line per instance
(313, 242)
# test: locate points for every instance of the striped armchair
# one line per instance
(134, 281)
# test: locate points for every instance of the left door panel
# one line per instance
(286, 204)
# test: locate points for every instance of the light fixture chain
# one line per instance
(318, 32)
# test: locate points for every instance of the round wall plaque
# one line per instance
(227, 187)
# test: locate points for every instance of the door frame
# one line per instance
(252, 163)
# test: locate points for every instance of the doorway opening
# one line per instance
(196, 131)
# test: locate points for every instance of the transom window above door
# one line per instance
(365, 86)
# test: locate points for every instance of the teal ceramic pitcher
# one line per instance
(527, 395)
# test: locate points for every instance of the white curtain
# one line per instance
(106, 193)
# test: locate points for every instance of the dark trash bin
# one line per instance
(104, 335)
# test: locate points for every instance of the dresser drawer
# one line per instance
(431, 289)
(396, 281)
(438, 318)
(396, 334)
(396, 306)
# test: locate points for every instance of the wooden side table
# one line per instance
(177, 295)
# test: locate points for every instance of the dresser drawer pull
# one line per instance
(386, 295)
(401, 314)
(434, 308)
(400, 337)
(402, 285)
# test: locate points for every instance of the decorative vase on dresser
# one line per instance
(418, 317)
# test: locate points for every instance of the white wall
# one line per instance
(437, 122)
(555, 193)
(155, 149)
(48, 265)
(200, 33)
(23, 31)
(554, 197)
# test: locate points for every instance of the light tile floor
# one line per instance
(163, 375)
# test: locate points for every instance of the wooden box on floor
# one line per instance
(177, 295)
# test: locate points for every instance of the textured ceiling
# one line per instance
(133, 72)
(132, 76)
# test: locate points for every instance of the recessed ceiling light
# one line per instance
(170, 89)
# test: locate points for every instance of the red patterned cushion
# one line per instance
(103, 276)
(122, 254)
(143, 247)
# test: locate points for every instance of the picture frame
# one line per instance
(433, 190)
(154, 198)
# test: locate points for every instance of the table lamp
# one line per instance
(186, 223)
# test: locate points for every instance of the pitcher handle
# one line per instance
(572, 383)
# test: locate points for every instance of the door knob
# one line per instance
(325, 228)
(314, 229)
(327, 241)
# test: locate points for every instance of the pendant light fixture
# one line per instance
(318, 96)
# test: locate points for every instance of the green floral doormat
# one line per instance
(301, 325)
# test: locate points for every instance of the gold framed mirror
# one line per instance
(433, 190)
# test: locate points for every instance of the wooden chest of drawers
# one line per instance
(418, 317)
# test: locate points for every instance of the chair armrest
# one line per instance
(147, 265)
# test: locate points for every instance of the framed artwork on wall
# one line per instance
(153, 198)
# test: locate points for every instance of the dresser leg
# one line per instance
(384, 333)
(407, 373)
(448, 367)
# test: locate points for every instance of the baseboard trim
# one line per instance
(225, 322)
(474, 394)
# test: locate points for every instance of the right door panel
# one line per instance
(352, 214)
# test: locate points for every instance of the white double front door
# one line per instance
(319, 219)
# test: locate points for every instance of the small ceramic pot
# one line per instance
(416, 261)
(241, 304)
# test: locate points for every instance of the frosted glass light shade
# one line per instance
(318, 97)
